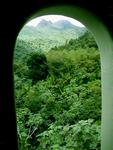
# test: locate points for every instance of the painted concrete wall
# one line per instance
(105, 44)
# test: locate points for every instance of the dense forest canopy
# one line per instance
(58, 94)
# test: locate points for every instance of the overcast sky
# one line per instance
(53, 18)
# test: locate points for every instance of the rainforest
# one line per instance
(57, 79)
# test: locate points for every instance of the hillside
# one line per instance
(50, 34)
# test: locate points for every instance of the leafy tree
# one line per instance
(85, 135)
(37, 65)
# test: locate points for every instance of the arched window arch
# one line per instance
(105, 43)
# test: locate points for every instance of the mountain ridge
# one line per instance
(57, 24)
(51, 33)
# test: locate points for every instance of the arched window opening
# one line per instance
(57, 85)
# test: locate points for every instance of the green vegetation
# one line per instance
(37, 67)
(58, 95)
(47, 34)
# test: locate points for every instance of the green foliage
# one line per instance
(22, 86)
(22, 114)
(58, 96)
(85, 41)
(29, 124)
(59, 63)
(85, 135)
(37, 65)
(22, 48)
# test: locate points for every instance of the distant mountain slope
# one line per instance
(45, 23)
(51, 34)
(64, 24)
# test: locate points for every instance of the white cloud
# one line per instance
(53, 18)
